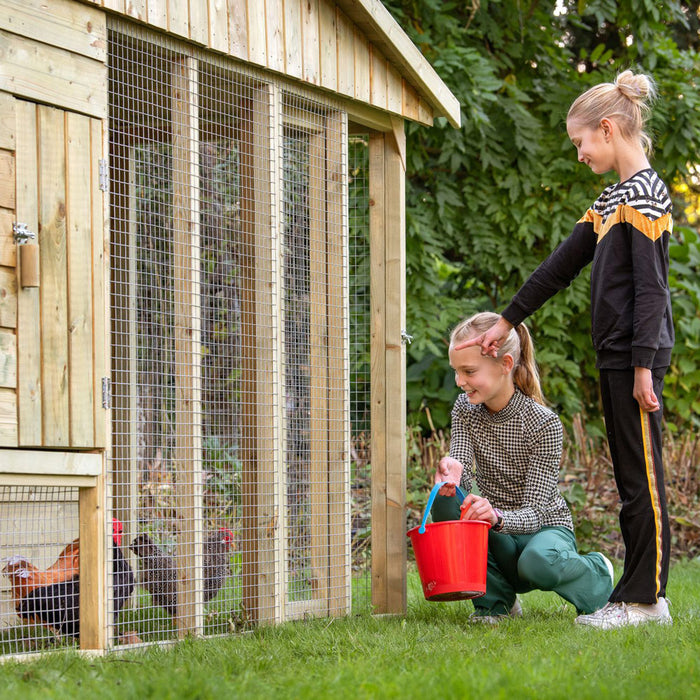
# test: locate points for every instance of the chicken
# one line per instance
(157, 573)
(25, 577)
(52, 597)
(55, 606)
(217, 565)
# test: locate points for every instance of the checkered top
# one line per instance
(516, 453)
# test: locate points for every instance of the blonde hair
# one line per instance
(518, 344)
(627, 100)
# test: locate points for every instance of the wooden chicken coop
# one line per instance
(176, 320)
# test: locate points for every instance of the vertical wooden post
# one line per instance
(339, 539)
(187, 339)
(91, 508)
(388, 379)
(262, 380)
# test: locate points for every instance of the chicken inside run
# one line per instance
(40, 595)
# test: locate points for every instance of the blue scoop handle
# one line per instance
(431, 498)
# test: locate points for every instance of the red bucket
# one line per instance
(451, 556)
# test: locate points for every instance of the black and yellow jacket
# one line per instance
(626, 236)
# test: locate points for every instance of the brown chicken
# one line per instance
(25, 577)
(157, 573)
(51, 597)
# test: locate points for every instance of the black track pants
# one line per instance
(635, 446)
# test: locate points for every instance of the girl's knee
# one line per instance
(538, 567)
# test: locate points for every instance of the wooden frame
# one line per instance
(388, 362)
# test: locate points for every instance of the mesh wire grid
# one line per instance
(39, 589)
(231, 346)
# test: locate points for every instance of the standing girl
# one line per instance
(626, 236)
(500, 424)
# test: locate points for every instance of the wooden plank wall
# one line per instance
(309, 40)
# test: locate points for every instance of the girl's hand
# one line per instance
(643, 390)
(478, 508)
(449, 470)
(491, 340)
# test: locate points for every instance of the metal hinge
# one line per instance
(106, 392)
(21, 233)
(104, 174)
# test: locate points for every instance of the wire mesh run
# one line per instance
(361, 456)
(39, 588)
(229, 468)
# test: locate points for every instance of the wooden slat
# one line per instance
(275, 34)
(394, 97)
(50, 462)
(346, 55)
(310, 41)
(292, 37)
(29, 392)
(54, 76)
(8, 297)
(53, 293)
(7, 480)
(8, 418)
(81, 380)
(187, 456)
(380, 391)
(7, 121)
(218, 25)
(361, 68)
(8, 247)
(178, 17)
(101, 307)
(8, 359)
(199, 22)
(257, 35)
(137, 9)
(328, 46)
(65, 24)
(238, 29)
(158, 13)
(378, 92)
(7, 179)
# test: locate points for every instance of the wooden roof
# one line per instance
(353, 48)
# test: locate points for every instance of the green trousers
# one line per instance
(547, 560)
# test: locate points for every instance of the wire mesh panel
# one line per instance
(359, 278)
(39, 589)
(229, 344)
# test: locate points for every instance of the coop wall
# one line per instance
(185, 350)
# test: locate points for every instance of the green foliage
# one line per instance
(487, 202)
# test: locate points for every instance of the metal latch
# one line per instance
(406, 339)
(22, 234)
(106, 393)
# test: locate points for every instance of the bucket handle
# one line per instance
(431, 498)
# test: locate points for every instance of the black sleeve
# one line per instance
(557, 272)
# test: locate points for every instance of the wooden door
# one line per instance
(60, 324)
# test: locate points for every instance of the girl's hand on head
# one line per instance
(449, 470)
(491, 340)
(643, 390)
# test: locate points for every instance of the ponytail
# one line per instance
(525, 374)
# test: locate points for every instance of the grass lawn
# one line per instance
(431, 653)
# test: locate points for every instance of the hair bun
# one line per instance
(637, 88)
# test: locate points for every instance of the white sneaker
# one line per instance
(515, 611)
(627, 615)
